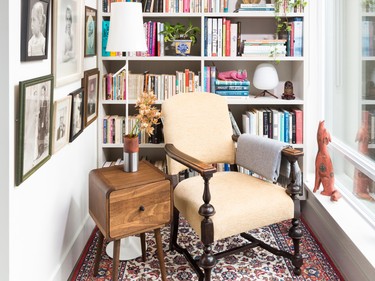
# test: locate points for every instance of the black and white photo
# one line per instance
(76, 119)
(34, 125)
(68, 41)
(91, 85)
(61, 122)
(34, 33)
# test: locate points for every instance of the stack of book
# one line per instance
(268, 47)
(244, 7)
(232, 88)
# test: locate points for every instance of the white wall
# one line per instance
(44, 221)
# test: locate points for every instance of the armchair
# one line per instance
(198, 133)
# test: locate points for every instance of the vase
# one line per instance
(131, 158)
(183, 47)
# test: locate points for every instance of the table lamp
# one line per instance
(265, 78)
(126, 34)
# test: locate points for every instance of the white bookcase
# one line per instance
(253, 24)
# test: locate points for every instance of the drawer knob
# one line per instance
(141, 208)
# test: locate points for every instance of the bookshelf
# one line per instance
(256, 24)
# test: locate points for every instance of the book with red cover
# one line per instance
(299, 126)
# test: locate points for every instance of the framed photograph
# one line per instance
(34, 29)
(76, 119)
(34, 125)
(67, 41)
(90, 32)
(61, 123)
(91, 86)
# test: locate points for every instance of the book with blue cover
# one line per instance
(105, 31)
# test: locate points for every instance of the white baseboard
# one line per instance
(348, 259)
(67, 265)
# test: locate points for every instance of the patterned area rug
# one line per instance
(253, 264)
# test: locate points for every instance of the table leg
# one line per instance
(98, 253)
(160, 252)
(116, 256)
(143, 246)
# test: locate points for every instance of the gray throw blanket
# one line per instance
(263, 157)
(260, 155)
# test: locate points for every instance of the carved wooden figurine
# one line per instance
(362, 183)
(323, 165)
(288, 91)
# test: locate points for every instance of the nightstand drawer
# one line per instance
(139, 209)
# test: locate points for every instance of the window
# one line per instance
(350, 104)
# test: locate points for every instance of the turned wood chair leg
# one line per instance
(174, 229)
(159, 246)
(98, 253)
(295, 233)
(143, 246)
(116, 258)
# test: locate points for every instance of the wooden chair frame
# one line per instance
(208, 259)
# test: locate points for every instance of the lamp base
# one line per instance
(263, 93)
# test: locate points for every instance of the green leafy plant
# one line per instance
(177, 31)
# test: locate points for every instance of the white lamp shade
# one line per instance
(265, 77)
(126, 32)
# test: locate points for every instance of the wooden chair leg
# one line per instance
(98, 255)
(174, 229)
(116, 258)
(143, 246)
(160, 253)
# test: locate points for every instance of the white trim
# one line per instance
(346, 236)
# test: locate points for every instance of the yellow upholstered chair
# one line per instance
(198, 133)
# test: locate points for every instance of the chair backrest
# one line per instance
(198, 124)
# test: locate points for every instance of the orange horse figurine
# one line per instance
(323, 165)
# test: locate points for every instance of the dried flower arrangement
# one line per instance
(148, 115)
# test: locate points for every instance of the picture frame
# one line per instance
(90, 32)
(34, 125)
(34, 29)
(91, 86)
(76, 119)
(67, 41)
(61, 123)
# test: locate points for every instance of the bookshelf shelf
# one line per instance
(253, 25)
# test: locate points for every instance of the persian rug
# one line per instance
(253, 264)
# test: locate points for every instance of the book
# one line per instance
(298, 36)
(232, 93)
(233, 39)
(232, 87)
(105, 31)
(232, 82)
(236, 129)
(299, 125)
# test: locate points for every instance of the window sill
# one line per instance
(345, 234)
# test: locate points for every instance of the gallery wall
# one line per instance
(44, 220)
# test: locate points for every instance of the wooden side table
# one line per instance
(124, 204)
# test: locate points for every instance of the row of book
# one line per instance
(114, 128)
(250, 7)
(162, 85)
(279, 124)
(222, 37)
(368, 38)
(176, 6)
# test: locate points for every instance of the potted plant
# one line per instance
(181, 36)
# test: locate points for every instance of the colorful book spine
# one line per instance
(105, 31)
(232, 83)
(232, 93)
(232, 87)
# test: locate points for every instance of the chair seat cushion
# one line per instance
(241, 202)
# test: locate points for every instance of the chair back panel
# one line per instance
(198, 124)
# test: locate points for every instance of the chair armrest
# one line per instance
(189, 161)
